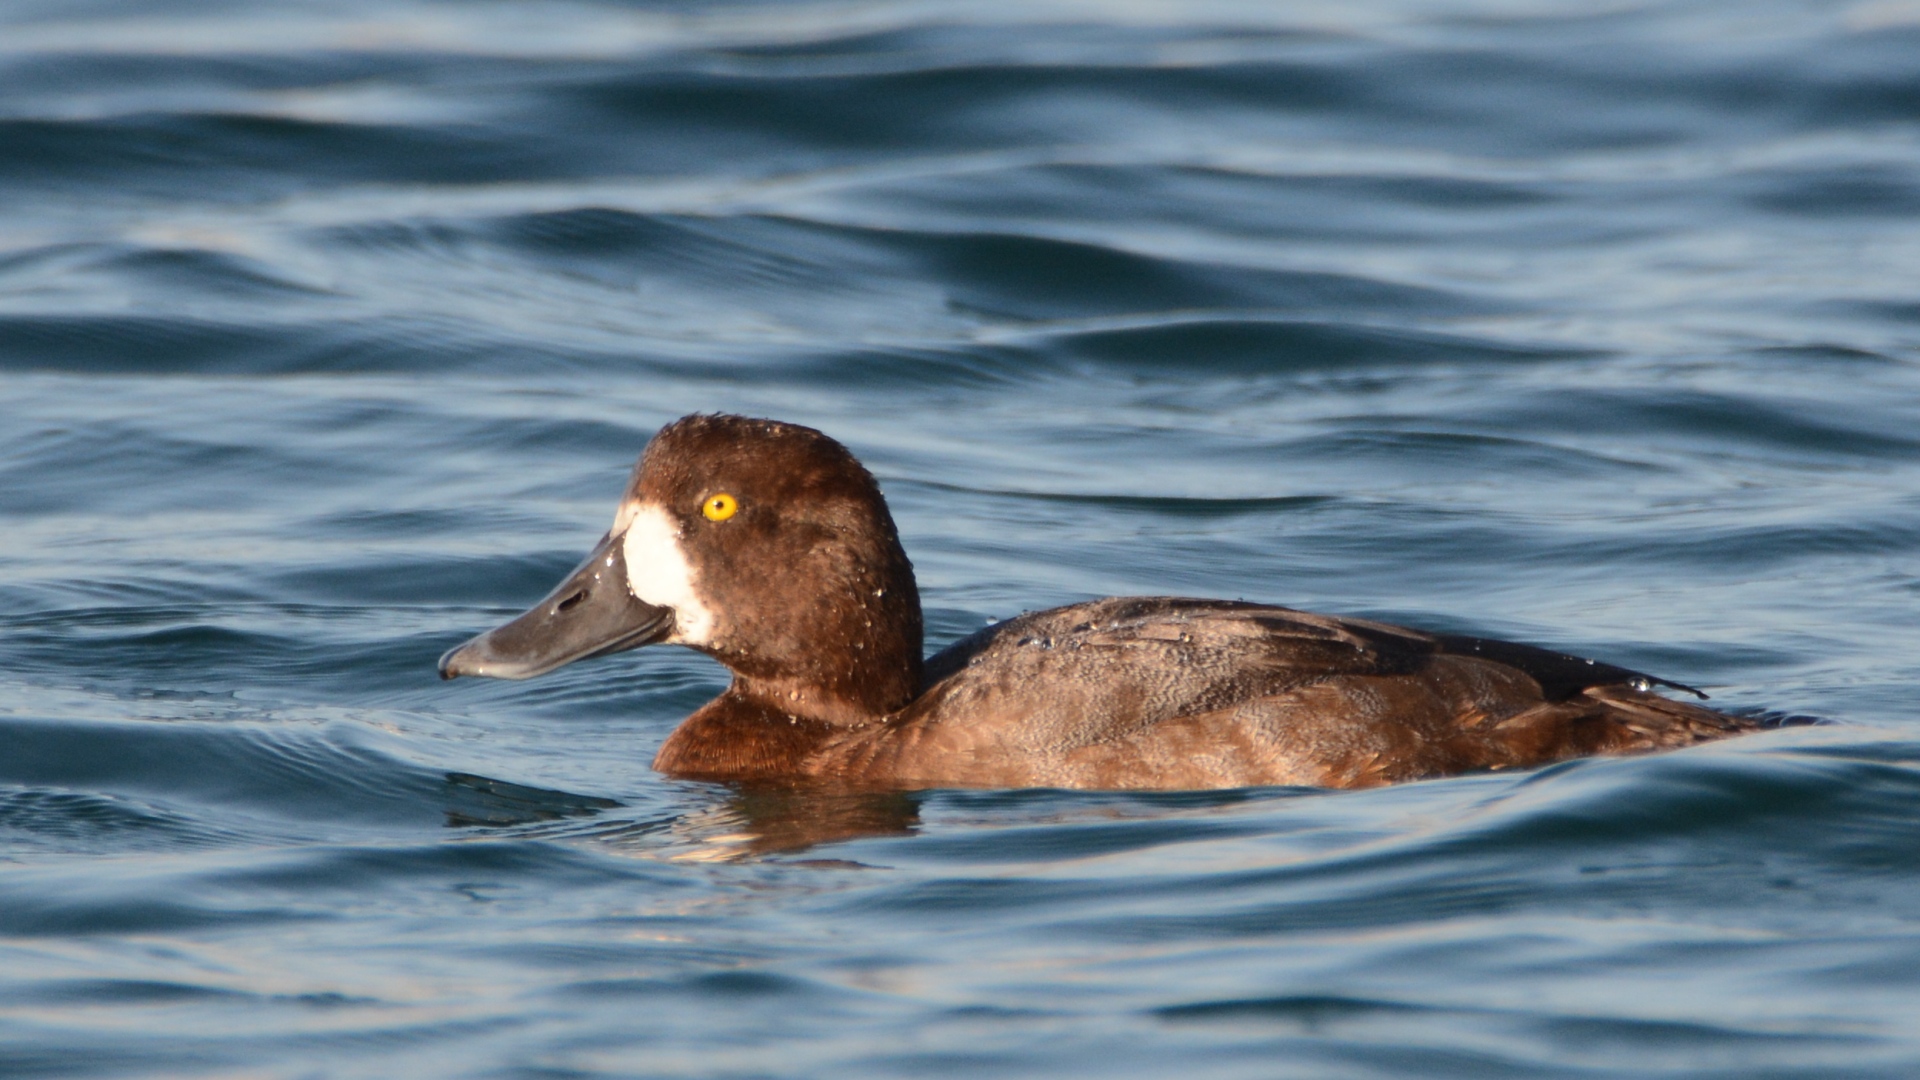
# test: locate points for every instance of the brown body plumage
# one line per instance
(806, 595)
(1167, 693)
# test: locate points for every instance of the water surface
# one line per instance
(329, 331)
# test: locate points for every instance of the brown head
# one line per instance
(764, 545)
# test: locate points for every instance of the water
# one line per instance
(328, 332)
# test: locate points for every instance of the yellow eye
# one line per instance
(719, 507)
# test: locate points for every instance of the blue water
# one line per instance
(329, 330)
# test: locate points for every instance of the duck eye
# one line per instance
(719, 507)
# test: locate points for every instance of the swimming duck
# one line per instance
(768, 547)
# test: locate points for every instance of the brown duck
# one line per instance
(768, 547)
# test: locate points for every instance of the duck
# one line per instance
(768, 547)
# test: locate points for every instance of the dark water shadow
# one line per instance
(478, 801)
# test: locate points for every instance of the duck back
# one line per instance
(1171, 693)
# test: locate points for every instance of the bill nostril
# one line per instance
(569, 602)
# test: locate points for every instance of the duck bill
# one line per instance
(591, 613)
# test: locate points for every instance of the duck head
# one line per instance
(764, 545)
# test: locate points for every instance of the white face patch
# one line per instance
(658, 572)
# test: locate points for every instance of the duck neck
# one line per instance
(738, 736)
(845, 666)
(836, 639)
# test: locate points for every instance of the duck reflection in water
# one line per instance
(774, 820)
(754, 819)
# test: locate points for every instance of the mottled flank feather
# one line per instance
(1156, 692)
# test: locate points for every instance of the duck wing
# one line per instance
(1165, 692)
(1233, 637)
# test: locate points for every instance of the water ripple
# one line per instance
(328, 336)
